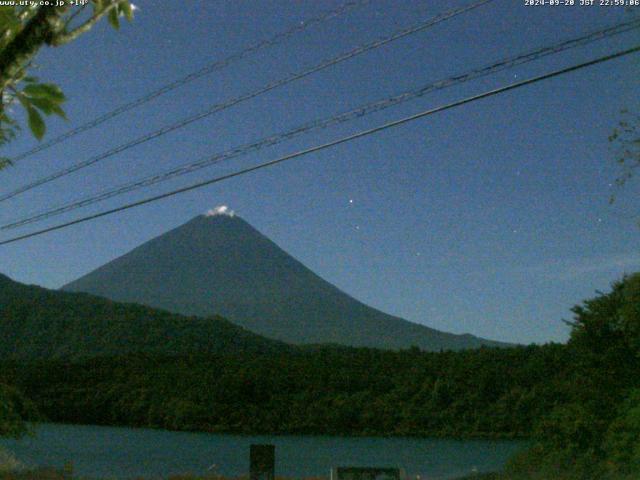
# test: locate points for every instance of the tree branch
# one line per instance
(40, 30)
(27, 13)
(66, 37)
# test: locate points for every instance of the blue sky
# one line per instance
(492, 218)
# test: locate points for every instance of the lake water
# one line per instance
(121, 453)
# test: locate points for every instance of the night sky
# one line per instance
(492, 218)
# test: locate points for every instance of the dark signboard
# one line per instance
(262, 459)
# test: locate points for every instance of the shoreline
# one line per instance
(241, 433)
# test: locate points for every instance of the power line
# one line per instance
(248, 96)
(206, 70)
(324, 146)
(352, 114)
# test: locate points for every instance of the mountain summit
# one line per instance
(219, 264)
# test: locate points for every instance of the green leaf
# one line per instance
(45, 90)
(44, 104)
(5, 162)
(126, 9)
(36, 124)
(8, 17)
(9, 24)
(59, 112)
(98, 6)
(113, 18)
(24, 100)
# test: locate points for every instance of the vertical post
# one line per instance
(262, 460)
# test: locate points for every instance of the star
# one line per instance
(351, 200)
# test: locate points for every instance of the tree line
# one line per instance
(578, 403)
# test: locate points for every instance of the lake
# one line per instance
(116, 452)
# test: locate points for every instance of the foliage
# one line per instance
(40, 323)
(595, 432)
(36, 99)
(622, 441)
(27, 28)
(489, 392)
(13, 410)
(8, 462)
(626, 140)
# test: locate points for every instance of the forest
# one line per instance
(489, 392)
(578, 403)
(37, 323)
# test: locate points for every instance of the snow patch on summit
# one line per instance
(220, 210)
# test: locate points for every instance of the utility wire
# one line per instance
(206, 70)
(358, 112)
(242, 98)
(333, 143)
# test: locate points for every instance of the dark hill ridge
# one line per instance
(36, 323)
(221, 264)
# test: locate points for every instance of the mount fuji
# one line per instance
(218, 263)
